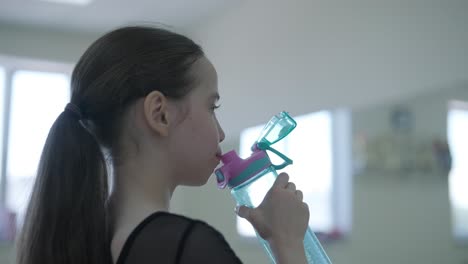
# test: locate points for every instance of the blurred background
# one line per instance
(379, 89)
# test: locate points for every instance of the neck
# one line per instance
(141, 187)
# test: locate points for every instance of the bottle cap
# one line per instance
(236, 170)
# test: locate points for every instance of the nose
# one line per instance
(222, 136)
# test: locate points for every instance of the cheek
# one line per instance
(204, 131)
(189, 145)
(196, 153)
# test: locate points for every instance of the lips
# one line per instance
(219, 155)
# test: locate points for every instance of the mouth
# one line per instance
(219, 155)
(219, 163)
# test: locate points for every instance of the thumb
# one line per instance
(254, 216)
(245, 212)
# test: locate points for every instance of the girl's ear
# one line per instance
(156, 112)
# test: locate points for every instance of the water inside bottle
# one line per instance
(251, 194)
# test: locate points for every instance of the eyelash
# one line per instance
(215, 107)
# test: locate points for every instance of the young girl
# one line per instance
(143, 104)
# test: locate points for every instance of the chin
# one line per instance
(197, 181)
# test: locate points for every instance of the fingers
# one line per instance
(291, 186)
(299, 195)
(244, 212)
(281, 180)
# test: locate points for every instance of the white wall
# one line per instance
(42, 43)
(303, 55)
(428, 109)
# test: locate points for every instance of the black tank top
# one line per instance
(166, 238)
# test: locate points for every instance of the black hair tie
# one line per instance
(74, 110)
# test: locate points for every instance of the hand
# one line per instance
(282, 217)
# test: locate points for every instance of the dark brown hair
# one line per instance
(66, 220)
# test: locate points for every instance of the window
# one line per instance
(37, 98)
(2, 107)
(458, 180)
(33, 94)
(319, 147)
(6, 232)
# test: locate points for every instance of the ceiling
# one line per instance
(102, 15)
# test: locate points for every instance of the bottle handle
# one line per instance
(265, 146)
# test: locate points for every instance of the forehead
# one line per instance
(205, 76)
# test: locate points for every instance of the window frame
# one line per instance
(11, 65)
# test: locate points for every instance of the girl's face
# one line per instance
(194, 143)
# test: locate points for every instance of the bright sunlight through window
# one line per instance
(36, 101)
(310, 147)
(2, 107)
(458, 181)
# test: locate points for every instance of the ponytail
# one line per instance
(66, 218)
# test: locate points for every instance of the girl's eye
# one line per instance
(214, 107)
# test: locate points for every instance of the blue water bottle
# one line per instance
(251, 178)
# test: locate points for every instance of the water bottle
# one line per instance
(251, 178)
